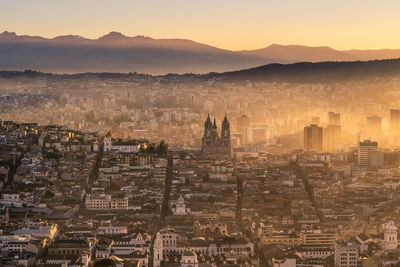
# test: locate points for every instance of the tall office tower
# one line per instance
(364, 151)
(346, 254)
(243, 123)
(332, 137)
(394, 127)
(313, 138)
(374, 126)
(333, 118)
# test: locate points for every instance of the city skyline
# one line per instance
(141, 134)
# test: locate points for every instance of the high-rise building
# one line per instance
(346, 254)
(374, 126)
(332, 137)
(387, 159)
(394, 126)
(333, 118)
(243, 123)
(364, 151)
(214, 146)
(313, 138)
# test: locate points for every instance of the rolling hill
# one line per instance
(305, 72)
(115, 52)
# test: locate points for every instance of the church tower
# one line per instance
(389, 236)
(158, 251)
(212, 145)
(207, 127)
(107, 142)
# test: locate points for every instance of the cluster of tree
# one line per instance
(160, 149)
(48, 194)
(52, 155)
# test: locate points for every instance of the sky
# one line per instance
(229, 24)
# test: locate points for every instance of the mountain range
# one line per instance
(115, 52)
(301, 72)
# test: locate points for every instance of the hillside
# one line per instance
(115, 52)
(315, 72)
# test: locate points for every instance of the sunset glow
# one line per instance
(229, 24)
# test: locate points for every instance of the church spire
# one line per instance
(225, 118)
(207, 123)
(215, 124)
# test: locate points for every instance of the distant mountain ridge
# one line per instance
(299, 53)
(115, 52)
(302, 72)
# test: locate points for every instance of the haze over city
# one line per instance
(199, 133)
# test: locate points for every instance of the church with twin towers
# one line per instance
(213, 145)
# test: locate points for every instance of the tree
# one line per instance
(115, 187)
(48, 194)
(151, 149)
(53, 155)
(132, 226)
(162, 149)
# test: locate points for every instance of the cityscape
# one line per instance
(112, 156)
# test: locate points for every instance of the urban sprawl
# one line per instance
(177, 171)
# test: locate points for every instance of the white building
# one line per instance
(391, 183)
(285, 262)
(126, 146)
(112, 230)
(97, 201)
(346, 254)
(180, 207)
(158, 251)
(189, 258)
(119, 203)
(104, 201)
(389, 241)
(169, 239)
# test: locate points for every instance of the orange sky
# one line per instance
(231, 24)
